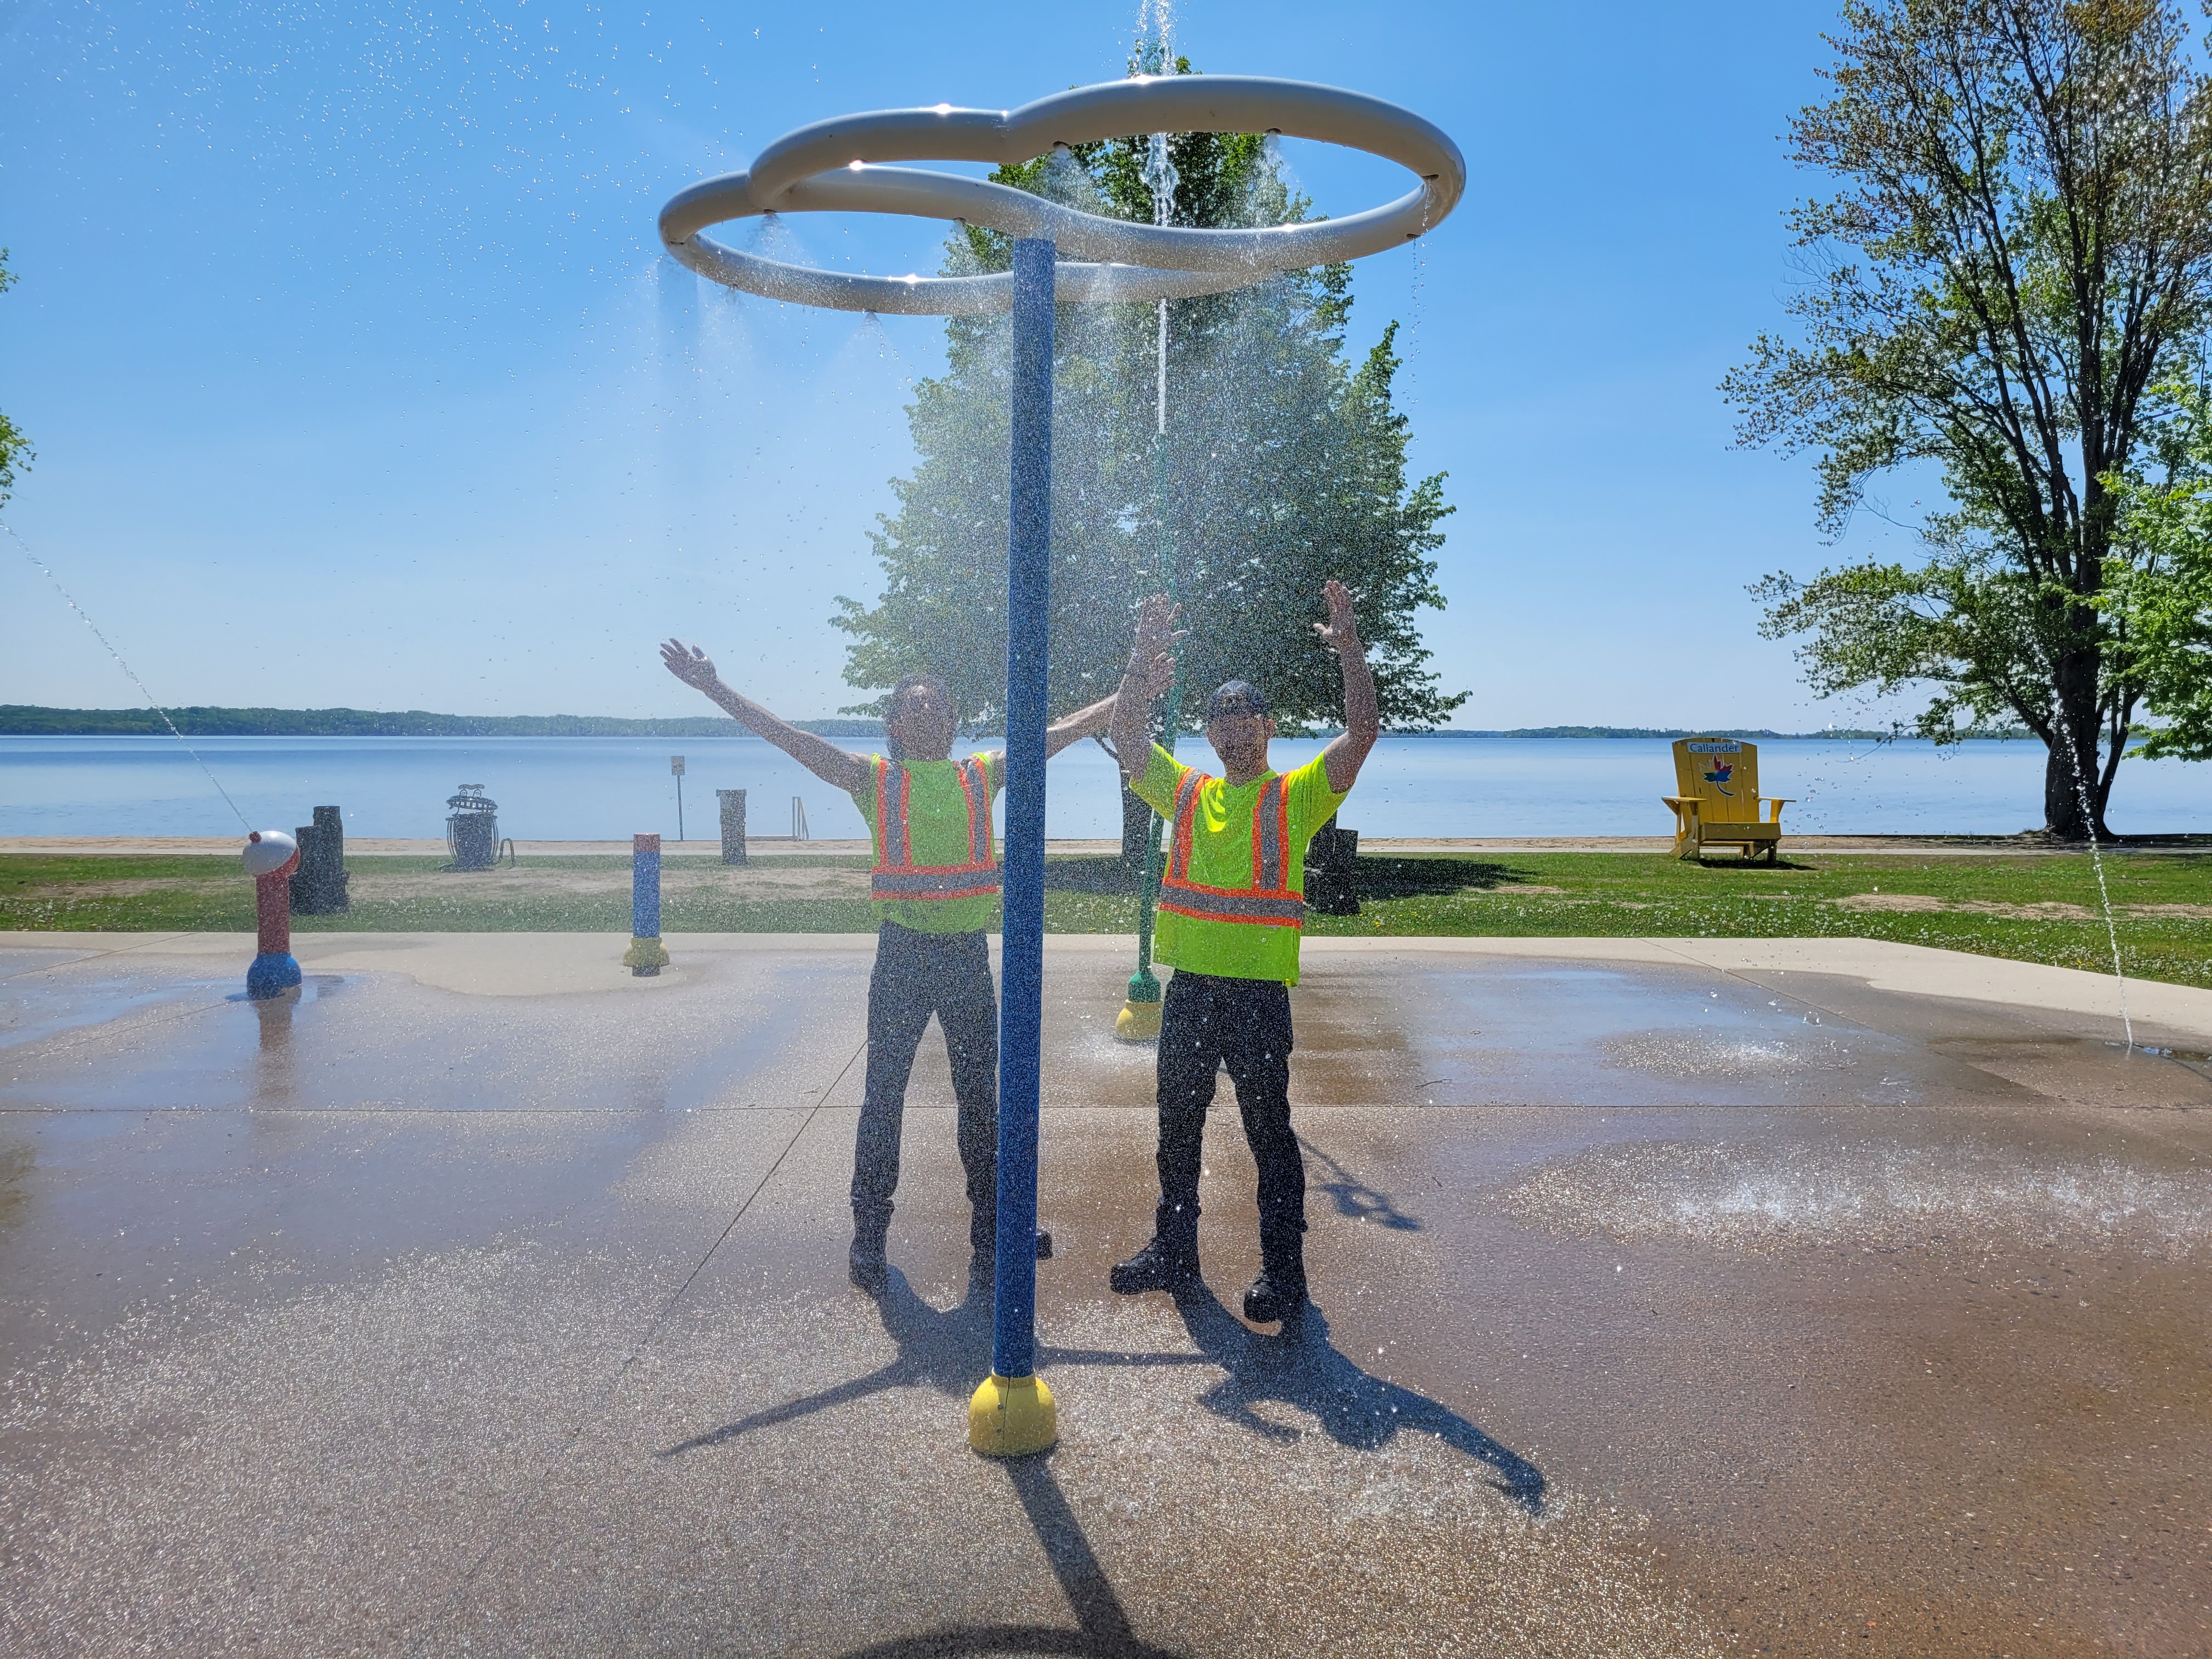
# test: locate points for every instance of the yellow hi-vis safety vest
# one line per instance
(897, 876)
(1269, 901)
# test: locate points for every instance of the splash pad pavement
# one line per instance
(1674, 1296)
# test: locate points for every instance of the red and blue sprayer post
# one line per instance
(1012, 1414)
(645, 958)
(272, 856)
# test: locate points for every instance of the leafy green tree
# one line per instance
(1282, 465)
(14, 447)
(2161, 601)
(2019, 257)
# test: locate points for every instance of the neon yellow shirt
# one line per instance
(938, 830)
(1221, 855)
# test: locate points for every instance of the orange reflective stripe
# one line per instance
(974, 783)
(1185, 812)
(888, 825)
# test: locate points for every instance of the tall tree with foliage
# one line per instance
(14, 447)
(1283, 464)
(2161, 600)
(2018, 257)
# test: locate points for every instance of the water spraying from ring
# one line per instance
(837, 166)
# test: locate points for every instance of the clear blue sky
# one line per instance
(357, 376)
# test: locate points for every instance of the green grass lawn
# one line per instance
(2033, 909)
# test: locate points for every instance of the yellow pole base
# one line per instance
(1011, 1417)
(1137, 1022)
(646, 953)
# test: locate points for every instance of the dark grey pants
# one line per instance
(1209, 1023)
(918, 975)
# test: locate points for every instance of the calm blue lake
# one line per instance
(595, 788)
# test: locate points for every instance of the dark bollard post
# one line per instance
(319, 889)
(733, 824)
(646, 958)
(1331, 863)
(1012, 1412)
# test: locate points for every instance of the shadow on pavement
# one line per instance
(1302, 1370)
(1385, 877)
(1355, 1199)
(950, 1351)
(1103, 1630)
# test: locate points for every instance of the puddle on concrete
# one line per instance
(380, 1042)
(1884, 1193)
(34, 1009)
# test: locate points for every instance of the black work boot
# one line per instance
(1279, 1291)
(1169, 1262)
(870, 1270)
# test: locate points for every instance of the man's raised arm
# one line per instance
(1150, 672)
(1073, 728)
(842, 770)
(1363, 714)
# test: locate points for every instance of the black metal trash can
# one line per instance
(733, 824)
(472, 829)
(319, 885)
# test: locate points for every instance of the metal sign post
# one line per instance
(676, 769)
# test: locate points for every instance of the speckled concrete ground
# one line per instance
(1787, 1297)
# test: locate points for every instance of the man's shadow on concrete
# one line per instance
(949, 1350)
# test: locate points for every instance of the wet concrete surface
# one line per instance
(1661, 1309)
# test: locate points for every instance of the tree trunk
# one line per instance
(1136, 829)
(2074, 785)
(2062, 796)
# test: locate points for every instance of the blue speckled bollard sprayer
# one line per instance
(646, 958)
(1012, 1412)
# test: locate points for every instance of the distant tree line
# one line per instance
(21, 720)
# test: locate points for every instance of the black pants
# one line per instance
(918, 975)
(1245, 1024)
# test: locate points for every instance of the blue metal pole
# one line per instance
(1021, 998)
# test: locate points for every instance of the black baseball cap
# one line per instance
(1236, 698)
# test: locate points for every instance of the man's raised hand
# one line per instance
(1339, 633)
(689, 664)
(1151, 653)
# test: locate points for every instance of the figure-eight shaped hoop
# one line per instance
(833, 166)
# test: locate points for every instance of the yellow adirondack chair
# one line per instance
(1720, 802)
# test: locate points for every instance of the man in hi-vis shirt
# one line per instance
(935, 893)
(1232, 905)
